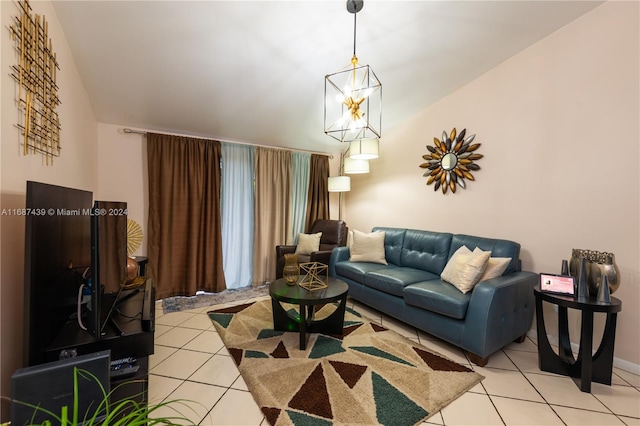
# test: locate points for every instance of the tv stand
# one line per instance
(124, 336)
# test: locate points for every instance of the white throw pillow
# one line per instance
(495, 267)
(465, 268)
(368, 247)
(308, 243)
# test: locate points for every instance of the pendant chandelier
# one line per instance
(353, 97)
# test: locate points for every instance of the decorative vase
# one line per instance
(291, 270)
(598, 264)
(574, 262)
(604, 295)
(603, 265)
(132, 270)
(583, 290)
(565, 267)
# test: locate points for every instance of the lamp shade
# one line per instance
(363, 149)
(352, 167)
(339, 184)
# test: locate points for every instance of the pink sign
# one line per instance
(556, 283)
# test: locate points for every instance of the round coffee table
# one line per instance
(280, 291)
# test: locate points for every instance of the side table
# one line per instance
(280, 291)
(586, 367)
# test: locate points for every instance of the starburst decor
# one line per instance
(451, 160)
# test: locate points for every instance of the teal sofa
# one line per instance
(493, 314)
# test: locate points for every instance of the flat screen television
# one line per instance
(74, 250)
(57, 262)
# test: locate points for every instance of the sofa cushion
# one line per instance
(425, 250)
(367, 247)
(393, 241)
(465, 268)
(393, 281)
(498, 248)
(357, 270)
(495, 267)
(308, 243)
(439, 297)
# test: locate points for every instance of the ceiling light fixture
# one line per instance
(353, 97)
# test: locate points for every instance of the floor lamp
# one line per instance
(339, 184)
(348, 165)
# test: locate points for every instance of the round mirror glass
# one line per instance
(449, 161)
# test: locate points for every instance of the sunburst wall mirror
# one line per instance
(451, 160)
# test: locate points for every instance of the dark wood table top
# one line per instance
(336, 289)
(570, 301)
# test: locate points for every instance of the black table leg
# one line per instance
(584, 357)
(333, 324)
(303, 325)
(603, 358)
(282, 321)
(564, 344)
(548, 360)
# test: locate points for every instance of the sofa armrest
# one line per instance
(500, 311)
(322, 256)
(282, 250)
(338, 254)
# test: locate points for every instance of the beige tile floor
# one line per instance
(190, 363)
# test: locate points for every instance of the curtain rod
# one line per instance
(143, 132)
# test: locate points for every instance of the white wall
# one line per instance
(76, 167)
(122, 174)
(559, 127)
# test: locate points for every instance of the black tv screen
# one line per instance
(57, 260)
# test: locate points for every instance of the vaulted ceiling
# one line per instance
(253, 71)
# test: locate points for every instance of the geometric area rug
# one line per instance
(368, 376)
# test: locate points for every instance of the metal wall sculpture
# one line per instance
(451, 161)
(37, 89)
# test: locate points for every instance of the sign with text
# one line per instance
(563, 284)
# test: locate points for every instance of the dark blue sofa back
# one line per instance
(393, 241)
(425, 250)
(430, 251)
(498, 248)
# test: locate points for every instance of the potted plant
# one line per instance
(125, 412)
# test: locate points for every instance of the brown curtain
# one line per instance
(318, 198)
(185, 239)
(272, 210)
